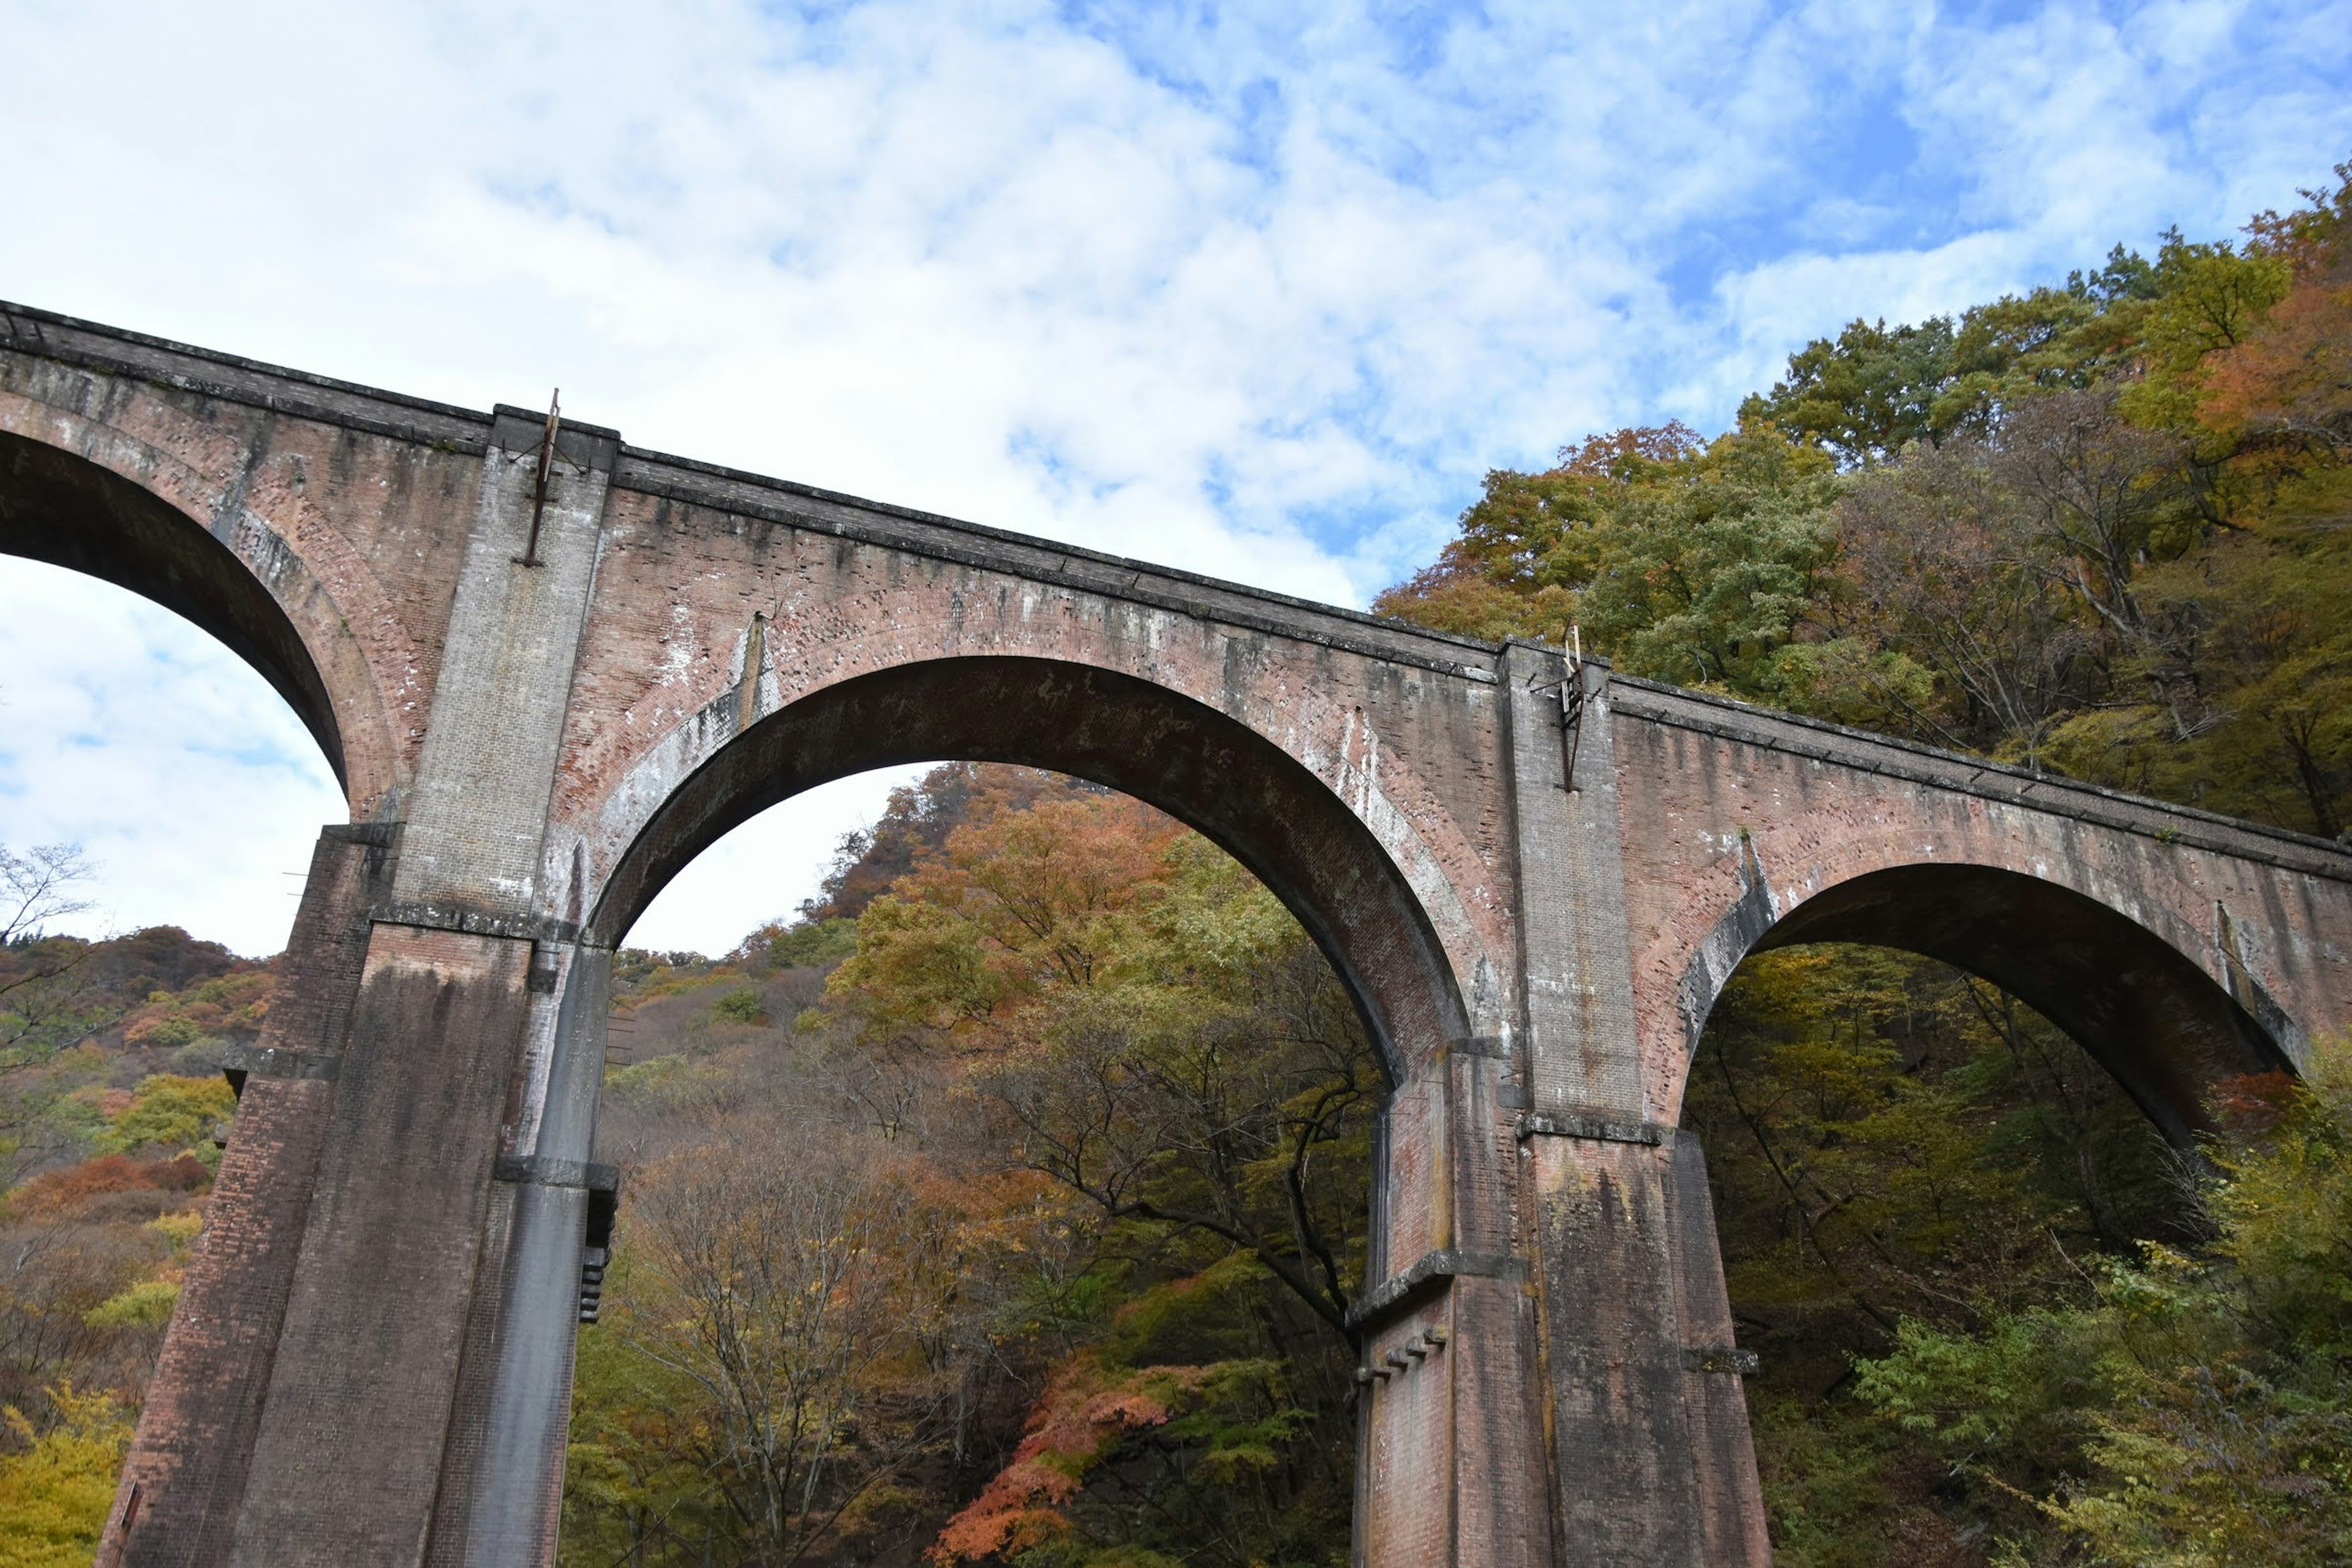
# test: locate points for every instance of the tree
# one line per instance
(56, 1489)
(1160, 1033)
(1682, 560)
(1948, 579)
(37, 886)
(1868, 393)
(2189, 1407)
(778, 1282)
(1150, 1031)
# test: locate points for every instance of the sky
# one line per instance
(1258, 291)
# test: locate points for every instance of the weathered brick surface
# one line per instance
(1789, 817)
(462, 1446)
(347, 1463)
(1409, 1495)
(1535, 948)
(1623, 1466)
(1403, 747)
(477, 814)
(1730, 1501)
(188, 1462)
(356, 537)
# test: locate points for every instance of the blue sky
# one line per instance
(1259, 290)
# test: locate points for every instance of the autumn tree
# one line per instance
(1157, 1030)
(801, 1292)
(1150, 1030)
(1684, 560)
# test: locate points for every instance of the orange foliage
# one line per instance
(56, 1195)
(2254, 1102)
(2286, 390)
(229, 1006)
(1076, 1423)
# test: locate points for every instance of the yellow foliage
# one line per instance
(55, 1493)
(146, 1305)
(179, 1229)
(170, 1113)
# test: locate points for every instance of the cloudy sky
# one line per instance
(1258, 291)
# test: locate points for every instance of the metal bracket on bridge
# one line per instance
(1572, 697)
(1571, 710)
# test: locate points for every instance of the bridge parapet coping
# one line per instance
(43, 334)
(1729, 719)
(783, 502)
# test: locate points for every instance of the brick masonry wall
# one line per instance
(1708, 815)
(348, 1460)
(187, 1470)
(350, 508)
(661, 676)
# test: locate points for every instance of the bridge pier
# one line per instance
(184, 1482)
(1648, 1457)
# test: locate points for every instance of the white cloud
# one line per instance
(763, 870)
(1250, 290)
(185, 779)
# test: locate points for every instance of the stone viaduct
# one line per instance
(1534, 878)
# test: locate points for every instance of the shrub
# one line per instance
(743, 1006)
(54, 1492)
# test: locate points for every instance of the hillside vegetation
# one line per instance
(111, 1110)
(1007, 1208)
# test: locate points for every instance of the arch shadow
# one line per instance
(1208, 771)
(2142, 1008)
(65, 511)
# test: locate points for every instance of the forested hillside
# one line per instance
(1003, 1205)
(1004, 1209)
(112, 1109)
(2099, 529)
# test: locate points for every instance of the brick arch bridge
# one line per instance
(1533, 879)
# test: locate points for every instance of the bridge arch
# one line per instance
(127, 522)
(2125, 990)
(1208, 770)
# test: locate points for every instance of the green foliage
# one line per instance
(2101, 529)
(1685, 561)
(635, 1477)
(1128, 1114)
(744, 1007)
(811, 945)
(669, 1082)
(171, 1113)
(146, 1305)
(1898, 1149)
(2192, 1408)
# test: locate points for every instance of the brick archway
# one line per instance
(2145, 1010)
(65, 511)
(1200, 766)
